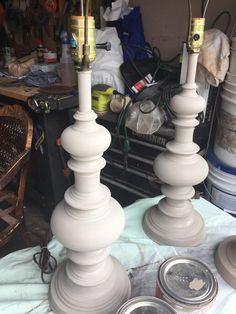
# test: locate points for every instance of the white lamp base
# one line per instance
(187, 229)
(174, 221)
(66, 297)
(87, 221)
(225, 260)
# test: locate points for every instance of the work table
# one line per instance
(16, 89)
(22, 291)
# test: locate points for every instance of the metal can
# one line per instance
(186, 284)
(145, 304)
(77, 38)
(40, 51)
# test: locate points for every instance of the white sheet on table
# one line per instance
(22, 292)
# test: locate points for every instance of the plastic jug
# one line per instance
(66, 68)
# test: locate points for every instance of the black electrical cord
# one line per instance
(171, 60)
(147, 49)
(219, 16)
(132, 62)
(154, 53)
(167, 93)
(45, 261)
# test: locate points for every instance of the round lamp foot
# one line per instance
(67, 297)
(169, 230)
(225, 260)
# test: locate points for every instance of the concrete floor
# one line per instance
(37, 230)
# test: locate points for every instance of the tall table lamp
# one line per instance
(88, 220)
(173, 221)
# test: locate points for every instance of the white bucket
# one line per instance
(228, 104)
(232, 61)
(230, 77)
(225, 139)
(221, 185)
(233, 42)
(229, 92)
(229, 86)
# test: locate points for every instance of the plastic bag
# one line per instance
(106, 66)
(145, 117)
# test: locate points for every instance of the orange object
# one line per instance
(2, 14)
(50, 6)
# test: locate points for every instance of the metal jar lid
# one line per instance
(145, 305)
(187, 282)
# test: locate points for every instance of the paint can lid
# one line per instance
(145, 304)
(187, 282)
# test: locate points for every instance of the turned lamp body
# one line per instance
(173, 221)
(87, 221)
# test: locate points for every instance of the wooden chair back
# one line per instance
(16, 131)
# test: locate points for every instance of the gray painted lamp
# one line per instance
(173, 221)
(88, 220)
(225, 260)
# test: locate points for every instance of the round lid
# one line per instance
(145, 304)
(187, 281)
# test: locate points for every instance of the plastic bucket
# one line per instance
(229, 92)
(225, 139)
(230, 86)
(230, 77)
(228, 105)
(232, 61)
(233, 42)
(221, 185)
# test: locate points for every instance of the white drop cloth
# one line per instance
(21, 289)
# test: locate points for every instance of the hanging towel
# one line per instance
(213, 61)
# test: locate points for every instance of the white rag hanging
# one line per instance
(213, 61)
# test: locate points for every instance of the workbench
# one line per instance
(15, 89)
(21, 289)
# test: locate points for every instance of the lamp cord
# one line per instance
(205, 8)
(227, 13)
(45, 261)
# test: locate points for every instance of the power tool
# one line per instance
(101, 97)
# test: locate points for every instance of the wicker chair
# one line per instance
(16, 130)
